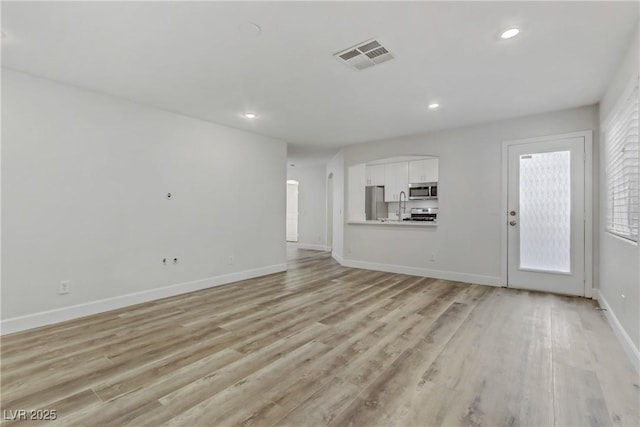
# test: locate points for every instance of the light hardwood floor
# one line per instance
(326, 345)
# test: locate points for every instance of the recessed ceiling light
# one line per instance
(434, 106)
(509, 33)
(250, 115)
(293, 165)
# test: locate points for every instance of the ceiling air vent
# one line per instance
(364, 55)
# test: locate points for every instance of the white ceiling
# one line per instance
(191, 58)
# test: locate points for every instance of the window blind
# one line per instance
(622, 168)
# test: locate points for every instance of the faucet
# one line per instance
(400, 208)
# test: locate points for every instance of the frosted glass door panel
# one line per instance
(545, 211)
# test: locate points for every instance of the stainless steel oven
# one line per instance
(424, 214)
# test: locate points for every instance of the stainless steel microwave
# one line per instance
(423, 190)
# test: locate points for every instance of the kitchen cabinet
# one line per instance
(375, 175)
(396, 179)
(423, 170)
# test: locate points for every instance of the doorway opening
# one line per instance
(292, 210)
(330, 212)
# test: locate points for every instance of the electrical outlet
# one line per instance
(432, 258)
(230, 260)
(65, 286)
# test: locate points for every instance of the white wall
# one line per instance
(84, 179)
(336, 167)
(620, 259)
(312, 205)
(466, 244)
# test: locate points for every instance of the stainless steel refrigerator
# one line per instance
(374, 204)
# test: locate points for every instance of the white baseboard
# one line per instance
(30, 321)
(308, 246)
(625, 340)
(424, 272)
(337, 257)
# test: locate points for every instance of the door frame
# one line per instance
(297, 185)
(588, 201)
(329, 212)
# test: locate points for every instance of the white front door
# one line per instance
(330, 212)
(546, 216)
(292, 211)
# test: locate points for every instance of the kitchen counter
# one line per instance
(396, 223)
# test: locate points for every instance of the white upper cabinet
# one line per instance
(375, 175)
(431, 170)
(423, 170)
(396, 179)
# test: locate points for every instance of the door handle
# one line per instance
(512, 223)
